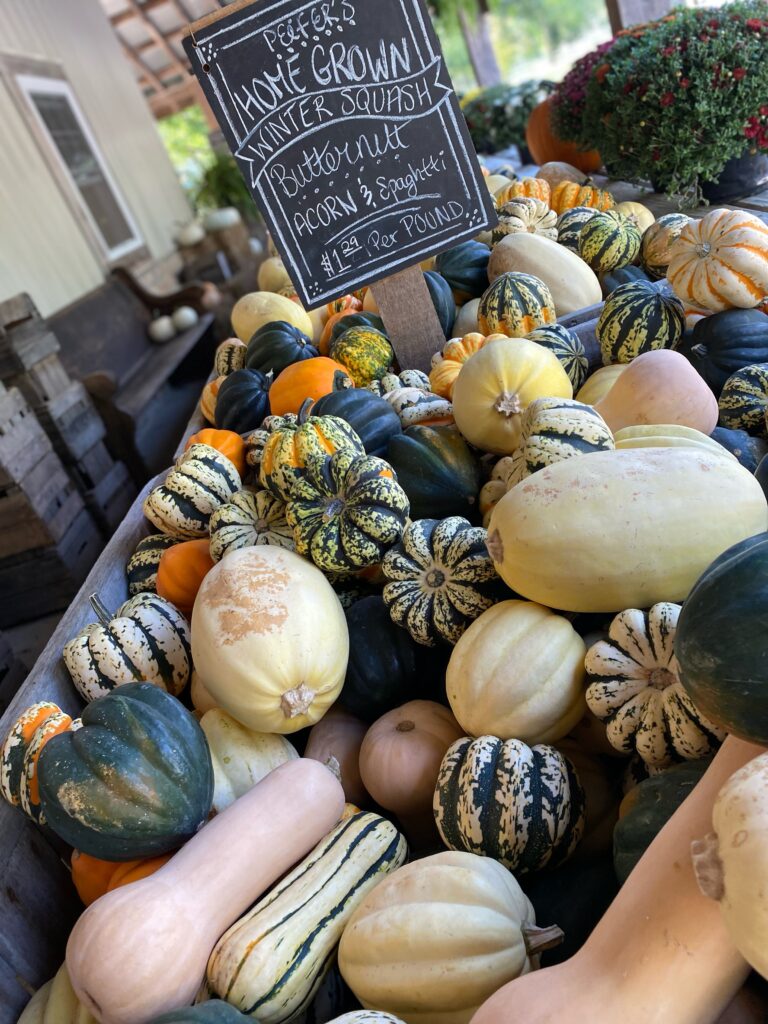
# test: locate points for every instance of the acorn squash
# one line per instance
(372, 418)
(514, 305)
(747, 449)
(442, 299)
(465, 268)
(726, 342)
(743, 402)
(437, 470)
(276, 345)
(638, 318)
(243, 401)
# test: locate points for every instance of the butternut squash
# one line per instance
(142, 950)
(660, 954)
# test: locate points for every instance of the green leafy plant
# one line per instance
(497, 116)
(222, 184)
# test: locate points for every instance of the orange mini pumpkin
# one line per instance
(569, 194)
(346, 304)
(180, 574)
(310, 378)
(225, 441)
(93, 877)
(534, 188)
(446, 365)
(208, 398)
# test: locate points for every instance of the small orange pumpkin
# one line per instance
(534, 188)
(545, 146)
(225, 441)
(93, 877)
(346, 304)
(180, 575)
(447, 364)
(310, 378)
(569, 194)
(208, 398)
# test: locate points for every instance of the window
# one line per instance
(65, 130)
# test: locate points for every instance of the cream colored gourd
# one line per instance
(255, 309)
(518, 673)
(340, 735)
(240, 756)
(572, 283)
(202, 701)
(660, 387)
(503, 476)
(34, 1011)
(191, 901)
(636, 212)
(731, 863)
(599, 383)
(622, 529)
(466, 319)
(667, 435)
(437, 937)
(56, 1003)
(555, 171)
(676, 964)
(272, 275)
(269, 639)
(495, 182)
(496, 385)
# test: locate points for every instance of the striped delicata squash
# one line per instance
(271, 962)
(201, 481)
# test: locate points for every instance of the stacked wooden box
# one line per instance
(29, 361)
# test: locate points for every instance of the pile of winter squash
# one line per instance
(507, 628)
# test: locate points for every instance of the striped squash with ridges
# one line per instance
(256, 441)
(554, 429)
(29, 791)
(15, 746)
(569, 194)
(638, 318)
(568, 348)
(515, 304)
(250, 517)
(608, 241)
(656, 245)
(201, 481)
(523, 806)
(141, 569)
(271, 962)
(439, 579)
(230, 356)
(525, 214)
(743, 401)
(570, 223)
(147, 639)
(634, 687)
(293, 446)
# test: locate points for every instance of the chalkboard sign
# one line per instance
(345, 125)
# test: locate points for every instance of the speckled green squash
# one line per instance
(523, 806)
(569, 225)
(634, 687)
(201, 480)
(250, 518)
(230, 356)
(141, 569)
(439, 579)
(256, 441)
(366, 353)
(657, 241)
(608, 241)
(347, 511)
(568, 348)
(744, 400)
(554, 429)
(638, 318)
(296, 444)
(515, 304)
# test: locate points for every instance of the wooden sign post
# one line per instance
(344, 123)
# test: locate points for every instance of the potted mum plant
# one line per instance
(497, 116)
(682, 102)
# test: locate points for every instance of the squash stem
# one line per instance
(100, 608)
(537, 940)
(306, 405)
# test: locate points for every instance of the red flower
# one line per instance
(739, 73)
(684, 83)
(601, 72)
(668, 51)
(764, 110)
(704, 37)
(642, 89)
(714, 23)
(656, 154)
(754, 24)
(667, 99)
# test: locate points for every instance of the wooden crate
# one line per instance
(38, 510)
(92, 466)
(43, 382)
(71, 421)
(23, 442)
(110, 500)
(24, 336)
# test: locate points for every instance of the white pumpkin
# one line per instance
(240, 756)
(731, 864)
(162, 329)
(269, 639)
(190, 234)
(218, 220)
(184, 317)
(518, 673)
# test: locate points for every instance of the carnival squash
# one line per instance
(269, 639)
(569, 280)
(743, 402)
(249, 518)
(656, 246)
(20, 755)
(568, 348)
(609, 241)
(543, 540)
(311, 378)
(263, 833)
(518, 673)
(659, 387)
(181, 571)
(569, 225)
(525, 215)
(638, 318)
(202, 480)
(496, 385)
(141, 569)
(514, 304)
(339, 735)
(225, 441)
(230, 356)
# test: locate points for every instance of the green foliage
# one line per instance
(185, 136)
(222, 184)
(496, 117)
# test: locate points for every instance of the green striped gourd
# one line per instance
(21, 749)
(637, 318)
(744, 400)
(657, 242)
(569, 225)
(201, 481)
(523, 806)
(609, 241)
(515, 304)
(271, 962)
(230, 356)
(439, 579)
(141, 569)
(554, 429)
(568, 348)
(256, 441)
(147, 639)
(366, 353)
(249, 518)
(634, 687)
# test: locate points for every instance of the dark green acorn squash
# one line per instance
(276, 345)
(243, 401)
(214, 1011)
(356, 320)
(135, 781)
(438, 472)
(465, 268)
(442, 299)
(624, 275)
(720, 642)
(761, 473)
(372, 418)
(747, 449)
(646, 810)
(726, 342)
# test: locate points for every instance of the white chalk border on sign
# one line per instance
(206, 45)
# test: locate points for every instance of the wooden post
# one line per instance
(624, 13)
(477, 38)
(410, 318)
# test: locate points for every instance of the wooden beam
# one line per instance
(156, 34)
(625, 13)
(142, 70)
(126, 15)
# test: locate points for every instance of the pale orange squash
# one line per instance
(534, 188)
(225, 441)
(339, 734)
(568, 194)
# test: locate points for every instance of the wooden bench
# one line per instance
(104, 342)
